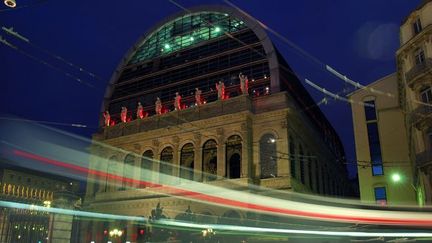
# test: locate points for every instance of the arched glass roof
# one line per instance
(184, 32)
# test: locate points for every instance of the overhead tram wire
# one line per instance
(8, 44)
(328, 68)
(335, 96)
(20, 37)
(77, 125)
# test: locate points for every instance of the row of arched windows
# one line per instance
(186, 162)
(233, 156)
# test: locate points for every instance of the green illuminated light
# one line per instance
(396, 177)
(192, 38)
(217, 29)
(167, 46)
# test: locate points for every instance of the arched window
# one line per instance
(128, 172)
(233, 156)
(165, 167)
(209, 160)
(110, 182)
(268, 156)
(187, 162)
(146, 168)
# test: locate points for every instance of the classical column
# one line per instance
(197, 157)
(221, 159)
(156, 165)
(247, 152)
(176, 156)
(61, 227)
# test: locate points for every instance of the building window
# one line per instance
(292, 157)
(165, 166)
(110, 181)
(426, 95)
(419, 56)
(209, 160)
(380, 195)
(268, 157)
(146, 168)
(187, 161)
(417, 27)
(373, 138)
(370, 111)
(128, 170)
(375, 149)
(233, 156)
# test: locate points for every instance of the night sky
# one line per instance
(357, 38)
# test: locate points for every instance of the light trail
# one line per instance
(184, 224)
(242, 200)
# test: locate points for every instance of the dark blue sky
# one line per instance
(357, 38)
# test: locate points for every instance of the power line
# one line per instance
(18, 36)
(8, 44)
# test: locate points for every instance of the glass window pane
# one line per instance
(370, 111)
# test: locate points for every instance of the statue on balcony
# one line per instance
(107, 118)
(140, 111)
(244, 83)
(220, 87)
(198, 99)
(123, 114)
(158, 106)
(177, 102)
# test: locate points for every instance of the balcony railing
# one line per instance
(423, 158)
(420, 115)
(417, 70)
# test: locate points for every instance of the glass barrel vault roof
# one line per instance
(185, 31)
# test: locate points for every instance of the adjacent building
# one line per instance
(414, 60)
(34, 188)
(383, 163)
(274, 136)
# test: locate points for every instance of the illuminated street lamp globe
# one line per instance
(396, 177)
(10, 3)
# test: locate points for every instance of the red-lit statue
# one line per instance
(107, 118)
(244, 83)
(221, 90)
(158, 106)
(198, 100)
(123, 114)
(140, 111)
(177, 102)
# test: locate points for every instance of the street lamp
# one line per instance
(115, 233)
(10, 3)
(396, 177)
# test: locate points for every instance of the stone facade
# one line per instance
(414, 60)
(250, 119)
